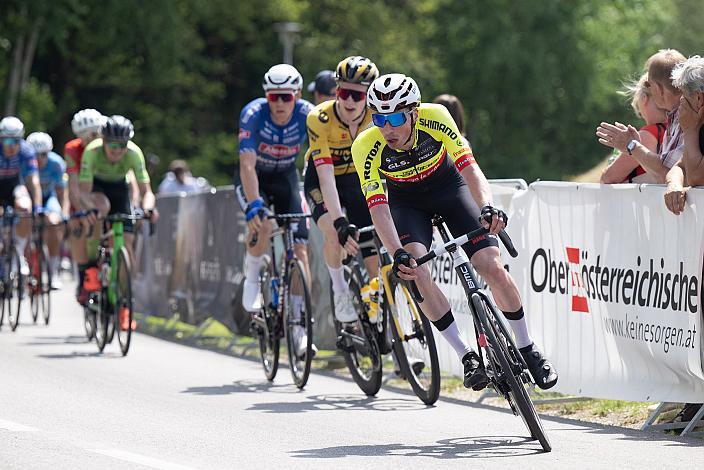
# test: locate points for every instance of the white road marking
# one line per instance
(12, 426)
(140, 459)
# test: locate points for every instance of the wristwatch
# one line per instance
(631, 145)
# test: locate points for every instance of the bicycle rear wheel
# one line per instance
(123, 305)
(298, 323)
(414, 345)
(14, 289)
(509, 371)
(102, 319)
(364, 361)
(266, 321)
(34, 280)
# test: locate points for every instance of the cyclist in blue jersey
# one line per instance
(18, 171)
(272, 132)
(53, 180)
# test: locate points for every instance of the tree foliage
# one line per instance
(535, 79)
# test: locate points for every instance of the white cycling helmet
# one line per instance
(87, 120)
(392, 92)
(10, 126)
(282, 77)
(41, 141)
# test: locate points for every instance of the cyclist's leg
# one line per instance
(254, 255)
(23, 205)
(53, 234)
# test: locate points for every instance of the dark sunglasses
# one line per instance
(10, 141)
(116, 145)
(344, 93)
(395, 119)
(285, 97)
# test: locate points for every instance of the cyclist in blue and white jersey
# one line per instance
(53, 180)
(18, 178)
(271, 134)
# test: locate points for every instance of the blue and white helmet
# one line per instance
(41, 141)
(282, 77)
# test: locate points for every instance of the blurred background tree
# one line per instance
(535, 78)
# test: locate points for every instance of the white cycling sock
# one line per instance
(22, 244)
(517, 320)
(253, 265)
(447, 326)
(338, 279)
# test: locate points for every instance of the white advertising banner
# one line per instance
(612, 287)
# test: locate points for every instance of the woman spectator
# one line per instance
(625, 168)
(454, 105)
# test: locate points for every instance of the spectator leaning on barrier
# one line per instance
(180, 180)
(323, 87)
(688, 77)
(625, 168)
(626, 139)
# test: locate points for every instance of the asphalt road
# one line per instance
(168, 406)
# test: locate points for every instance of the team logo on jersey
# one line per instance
(279, 151)
(370, 187)
(312, 135)
(244, 134)
(316, 196)
(323, 116)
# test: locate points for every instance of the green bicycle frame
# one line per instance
(118, 241)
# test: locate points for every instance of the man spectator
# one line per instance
(180, 180)
(626, 139)
(323, 87)
(689, 78)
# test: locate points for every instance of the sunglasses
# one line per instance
(10, 141)
(344, 93)
(116, 145)
(42, 155)
(395, 119)
(285, 97)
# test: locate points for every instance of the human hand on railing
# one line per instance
(346, 235)
(675, 198)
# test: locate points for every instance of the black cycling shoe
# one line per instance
(543, 372)
(474, 374)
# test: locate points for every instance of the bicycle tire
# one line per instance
(102, 316)
(34, 280)
(517, 392)
(413, 322)
(89, 322)
(300, 367)
(123, 294)
(45, 284)
(3, 285)
(15, 294)
(366, 369)
(269, 342)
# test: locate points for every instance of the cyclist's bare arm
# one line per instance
(148, 199)
(74, 191)
(248, 175)
(481, 192)
(135, 190)
(35, 189)
(331, 198)
(62, 194)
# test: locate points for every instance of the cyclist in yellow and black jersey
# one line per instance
(430, 170)
(331, 182)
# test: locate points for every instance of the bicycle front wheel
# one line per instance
(34, 280)
(266, 322)
(14, 289)
(358, 342)
(509, 371)
(123, 304)
(299, 324)
(45, 284)
(414, 345)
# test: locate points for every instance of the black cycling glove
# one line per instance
(344, 230)
(489, 212)
(401, 257)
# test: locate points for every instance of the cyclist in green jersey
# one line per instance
(103, 179)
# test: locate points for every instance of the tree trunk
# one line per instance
(13, 87)
(29, 53)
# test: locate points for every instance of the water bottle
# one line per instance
(373, 312)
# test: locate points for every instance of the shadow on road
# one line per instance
(455, 448)
(81, 355)
(53, 340)
(243, 386)
(345, 402)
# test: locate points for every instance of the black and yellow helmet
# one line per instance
(356, 69)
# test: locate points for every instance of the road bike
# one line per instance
(110, 294)
(39, 278)
(12, 279)
(391, 322)
(507, 371)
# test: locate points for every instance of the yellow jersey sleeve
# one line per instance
(318, 148)
(437, 121)
(366, 153)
